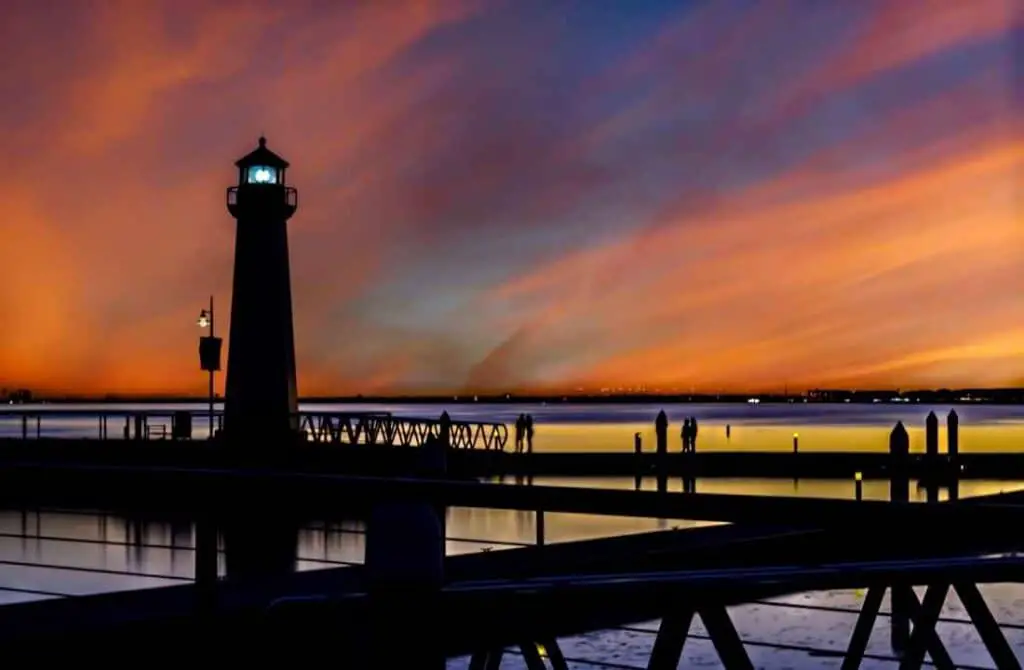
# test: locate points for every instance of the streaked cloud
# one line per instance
(523, 195)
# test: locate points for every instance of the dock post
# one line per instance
(931, 456)
(953, 453)
(903, 599)
(661, 438)
(638, 450)
(206, 565)
(858, 486)
(405, 550)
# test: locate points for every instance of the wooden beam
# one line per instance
(668, 645)
(862, 629)
(988, 628)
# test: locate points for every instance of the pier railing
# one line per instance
(387, 429)
(371, 428)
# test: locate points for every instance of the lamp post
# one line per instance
(209, 352)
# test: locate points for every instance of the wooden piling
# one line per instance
(933, 468)
(661, 439)
(405, 550)
(207, 565)
(899, 492)
(953, 453)
(953, 434)
(638, 468)
(931, 437)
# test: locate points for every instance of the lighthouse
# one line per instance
(260, 400)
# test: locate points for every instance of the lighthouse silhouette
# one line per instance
(260, 403)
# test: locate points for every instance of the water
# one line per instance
(571, 427)
(65, 555)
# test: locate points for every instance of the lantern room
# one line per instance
(261, 189)
(261, 167)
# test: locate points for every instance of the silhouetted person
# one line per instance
(520, 429)
(728, 431)
(529, 433)
(693, 434)
(685, 434)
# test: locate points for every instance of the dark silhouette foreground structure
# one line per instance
(260, 401)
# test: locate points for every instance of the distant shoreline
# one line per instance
(952, 396)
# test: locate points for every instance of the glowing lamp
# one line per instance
(204, 319)
(261, 174)
(858, 476)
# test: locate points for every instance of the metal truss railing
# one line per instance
(379, 428)
(399, 431)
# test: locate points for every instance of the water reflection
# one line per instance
(44, 553)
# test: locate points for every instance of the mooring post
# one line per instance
(405, 550)
(953, 434)
(953, 453)
(661, 438)
(858, 486)
(931, 437)
(207, 565)
(899, 492)
(931, 456)
(796, 443)
(638, 467)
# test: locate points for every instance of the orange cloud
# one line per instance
(499, 196)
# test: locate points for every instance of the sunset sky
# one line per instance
(522, 194)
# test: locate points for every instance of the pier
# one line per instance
(339, 441)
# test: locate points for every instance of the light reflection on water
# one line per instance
(161, 553)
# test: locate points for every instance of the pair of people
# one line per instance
(689, 435)
(524, 429)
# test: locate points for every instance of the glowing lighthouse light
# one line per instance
(262, 175)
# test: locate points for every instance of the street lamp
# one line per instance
(209, 352)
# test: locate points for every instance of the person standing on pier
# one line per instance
(685, 435)
(693, 434)
(520, 427)
(528, 424)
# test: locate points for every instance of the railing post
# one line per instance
(540, 527)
